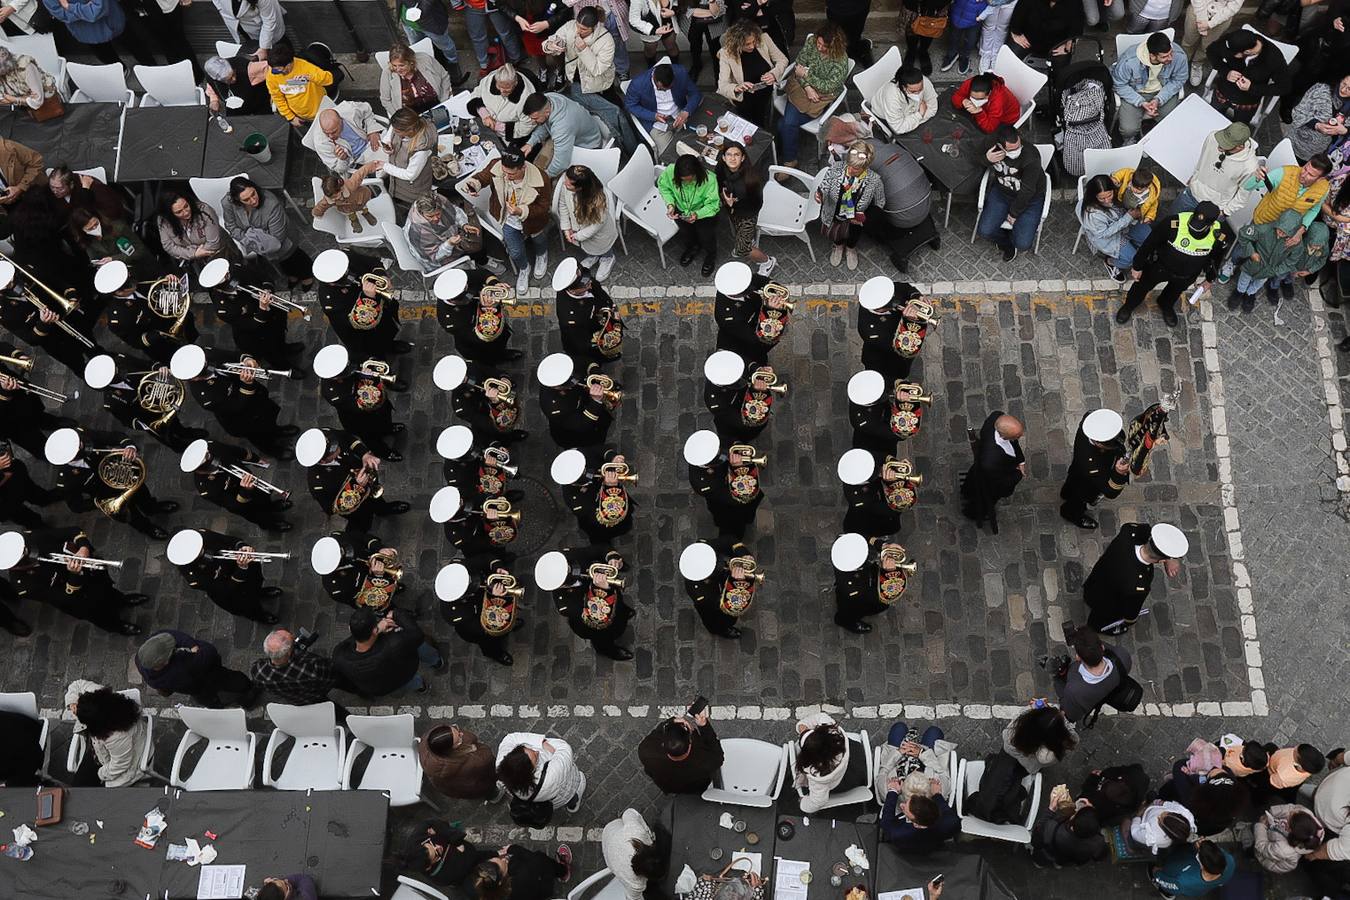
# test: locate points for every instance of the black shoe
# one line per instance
(135, 599)
(1084, 521)
(1009, 253)
(511, 355)
(270, 592)
(158, 533)
(688, 255)
(504, 658)
(399, 507)
(901, 265)
(166, 506)
(733, 633)
(926, 63)
(621, 654)
(457, 76)
(1249, 302)
(17, 627)
(128, 628)
(1235, 299)
(1286, 291)
(393, 456)
(288, 430)
(1170, 316)
(401, 347)
(708, 265)
(857, 627)
(1123, 315)
(424, 688)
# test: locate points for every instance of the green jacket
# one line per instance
(701, 199)
(1262, 240)
(1315, 247)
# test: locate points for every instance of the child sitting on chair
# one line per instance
(348, 195)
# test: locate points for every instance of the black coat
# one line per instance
(1268, 72)
(1052, 836)
(691, 775)
(996, 468)
(1119, 583)
(574, 418)
(1092, 471)
(20, 755)
(1157, 254)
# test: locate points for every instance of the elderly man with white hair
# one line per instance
(293, 673)
(346, 137)
(499, 103)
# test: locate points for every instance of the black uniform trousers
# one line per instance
(17, 489)
(1078, 494)
(1149, 278)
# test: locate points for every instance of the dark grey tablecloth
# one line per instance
(965, 875)
(225, 152)
(822, 842)
(692, 825)
(958, 174)
(707, 114)
(84, 137)
(162, 142)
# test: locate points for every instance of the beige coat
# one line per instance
(391, 88)
(119, 754)
(730, 74)
(595, 61)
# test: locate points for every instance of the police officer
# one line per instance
(1099, 468)
(876, 495)
(600, 500)
(355, 297)
(132, 319)
(486, 401)
(729, 482)
(17, 489)
(892, 322)
(357, 569)
(361, 398)
(588, 318)
(1119, 584)
(1176, 251)
(722, 581)
(740, 406)
(220, 472)
(869, 578)
(79, 586)
(588, 593)
(482, 609)
(344, 477)
(225, 569)
(257, 317)
(471, 306)
(234, 390)
(578, 413)
(143, 396)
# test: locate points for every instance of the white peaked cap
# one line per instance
(697, 561)
(876, 292)
(849, 552)
(1103, 424)
(723, 368)
(551, 571)
(732, 278)
(866, 387)
(1169, 540)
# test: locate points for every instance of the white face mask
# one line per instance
(916, 95)
(980, 102)
(95, 230)
(1013, 154)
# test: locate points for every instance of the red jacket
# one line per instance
(1002, 106)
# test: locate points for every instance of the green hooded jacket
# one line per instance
(1264, 249)
(700, 199)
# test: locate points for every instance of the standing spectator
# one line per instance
(541, 769)
(1187, 245)
(1319, 118)
(172, 662)
(628, 846)
(1194, 870)
(998, 468)
(439, 853)
(440, 232)
(1284, 834)
(823, 755)
(964, 36)
(1300, 188)
(1097, 669)
(431, 18)
(1148, 81)
(654, 22)
(1014, 200)
(850, 188)
(690, 192)
(851, 16)
(1162, 824)
(1266, 256)
(906, 101)
(1331, 802)
(477, 14)
(1247, 70)
(296, 86)
(257, 222)
(263, 21)
(615, 14)
(567, 123)
(988, 101)
(23, 82)
(1206, 22)
(748, 66)
(663, 98)
(1046, 28)
(410, 140)
(994, 31)
(588, 70)
(116, 731)
(585, 220)
(189, 232)
(164, 22)
(682, 755)
(458, 764)
(1098, 14)
(902, 223)
(518, 196)
(813, 83)
(382, 655)
(1106, 225)
(103, 27)
(1288, 768)
(292, 673)
(499, 102)
(1068, 834)
(240, 77)
(537, 20)
(519, 873)
(1151, 15)
(1039, 737)
(921, 22)
(742, 191)
(414, 80)
(703, 21)
(1227, 160)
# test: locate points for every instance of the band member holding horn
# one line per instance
(754, 325)
(579, 412)
(233, 388)
(729, 482)
(1100, 466)
(740, 406)
(1118, 586)
(599, 499)
(869, 577)
(361, 397)
(471, 306)
(143, 396)
(588, 318)
(735, 284)
(256, 316)
(998, 468)
(478, 475)
(40, 317)
(24, 418)
(893, 321)
(483, 610)
(344, 477)
(587, 591)
(17, 489)
(227, 570)
(58, 567)
(880, 422)
(104, 471)
(488, 403)
(360, 307)
(876, 495)
(358, 570)
(156, 321)
(721, 578)
(476, 532)
(229, 477)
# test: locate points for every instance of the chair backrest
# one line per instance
(604, 163)
(403, 251)
(212, 191)
(1047, 152)
(1282, 155)
(171, 85)
(635, 180)
(383, 731)
(313, 131)
(42, 47)
(228, 49)
(1127, 42)
(102, 84)
(1024, 81)
(870, 79)
(1111, 159)
(215, 724)
(422, 46)
(313, 720)
(1288, 51)
(23, 702)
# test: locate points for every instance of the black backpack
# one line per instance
(1124, 697)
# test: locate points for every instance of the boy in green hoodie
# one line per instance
(1269, 255)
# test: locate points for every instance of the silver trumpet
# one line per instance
(250, 555)
(278, 301)
(88, 562)
(257, 372)
(40, 391)
(264, 486)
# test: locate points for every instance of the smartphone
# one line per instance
(936, 880)
(1040, 703)
(699, 705)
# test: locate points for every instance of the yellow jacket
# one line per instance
(300, 91)
(1149, 208)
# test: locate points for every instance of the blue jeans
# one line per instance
(476, 21)
(997, 203)
(1185, 202)
(620, 48)
(615, 119)
(522, 249)
(443, 42)
(1138, 233)
(1126, 256)
(429, 657)
(961, 42)
(931, 735)
(790, 131)
(1246, 284)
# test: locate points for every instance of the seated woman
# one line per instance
(816, 79)
(519, 873)
(23, 82)
(585, 220)
(1162, 824)
(1284, 835)
(914, 763)
(825, 762)
(104, 240)
(410, 140)
(850, 188)
(1319, 118)
(116, 732)
(905, 102)
(189, 232)
(85, 190)
(690, 192)
(748, 66)
(1106, 225)
(499, 103)
(441, 232)
(413, 80)
(1069, 834)
(440, 853)
(237, 86)
(256, 220)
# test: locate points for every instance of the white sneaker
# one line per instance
(606, 266)
(522, 282)
(837, 254)
(851, 257)
(766, 268)
(1197, 73)
(588, 261)
(541, 265)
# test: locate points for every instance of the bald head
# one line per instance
(278, 646)
(331, 123)
(1010, 428)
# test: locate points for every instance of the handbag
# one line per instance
(51, 108)
(727, 887)
(796, 95)
(928, 26)
(530, 812)
(1124, 697)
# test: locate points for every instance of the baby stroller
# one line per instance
(1083, 103)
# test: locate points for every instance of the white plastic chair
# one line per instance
(971, 771)
(638, 125)
(1127, 42)
(100, 84)
(25, 704)
(79, 744)
(871, 79)
(1103, 162)
(212, 192)
(1282, 155)
(227, 762)
(42, 47)
(1020, 78)
(170, 85)
(785, 212)
(641, 203)
(1047, 152)
(339, 226)
(423, 46)
(752, 774)
(412, 889)
(1288, 51)
(407, 258)
(814, 126)
(228, 49)
(860, 794)
(319, 750)
(394, 766)
(611, 888)
(604, 163)
(1174, 143)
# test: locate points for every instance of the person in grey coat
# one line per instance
(1097, 669)
(256, 220)
(566, 121)
(1319, 118)
(441, 232)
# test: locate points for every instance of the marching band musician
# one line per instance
(233, 388)
(23, 417)
(256, 321)
(879, 424)
(740, 406)
(143, 396)
(488, 403)
(600, 500)
(728, 482)
(84, 590)
(734, 284)
(482, 474)
(1100, 466)
(234, 584)
(754, 324)
(134, 318)
(359, 307)
(471, 306)
(484, 610)
(17, 488)
(721, 579)
(876, 498)
(1120, 581)
(66, 336)
(892, 322)
(588, 593)
(869, 577)
(344, 477)
(358, 570)
(476, 533)
(211, 462)
(588, 318)
(578, 413)
(110, 478)
(360, 397)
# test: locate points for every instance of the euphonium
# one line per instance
(900, 470)
(499, 291)
(610, 572)
(767, 380)
(374, 368)
(747, 452)
(747, 565)
(378, 281)
(775, 291)
(916, 392)
(499, 457)
(921, 311)
(506, 581)
(502, 507)
(23, 365)
(899, 556)
(503, 387)
(620, 471)
(606, 387)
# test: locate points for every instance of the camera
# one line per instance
(306, 639)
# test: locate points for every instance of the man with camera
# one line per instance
(382, 655)
(292, 671)
(683, 755)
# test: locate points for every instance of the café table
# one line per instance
(964, 875)
(696, 836)
(707, 114)
(162, 142)
(1174, 143)
(821, 842)
(84, 137)
(225, 154)
(950, 148)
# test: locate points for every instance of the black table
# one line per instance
(707, 114)
(821, 842)
(225, 152)
(84, 137)
(953, 129)
(694, 832)
(965, 875)
(161, 142)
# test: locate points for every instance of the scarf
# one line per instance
(850, 186)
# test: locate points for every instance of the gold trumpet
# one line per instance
(747, 565)
(775, 291)
(747, 453)
(770, 379)
(915, 390)
(611, 573)
(900, 470)
(606, 387)
(505, 392)
(506, 581)
(897, 554)
(18, 362)
(378, 369)
(380, 283)
(921, 311)
(502, 507)
(499, 291)
(620, 470)
(499, 457)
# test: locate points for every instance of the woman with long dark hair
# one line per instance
(116, 731)
(1039, 737)
(822, 759)
(742, 191)
(1106, 225)
(256, 220)
(690, 192)
(104, 240)
(188, 230)
(519, 873)
(585, 220)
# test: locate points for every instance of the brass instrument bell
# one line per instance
(775, 291)
(620, 470)
(916, 390)
(900, 470)
(900, 557)
(611, 573)
(747, 565)
(747, 451)
(921, 311)
(500, 457)
(502, 386)
(506, 581)
(375, 368)
(770, 379)
(502, 507)
(606, 387)
(23, 365)
(499, 291)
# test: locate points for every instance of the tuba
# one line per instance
(161, 395)
(610, 572)
(170, 298)
(120, 474)
(377, 591)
